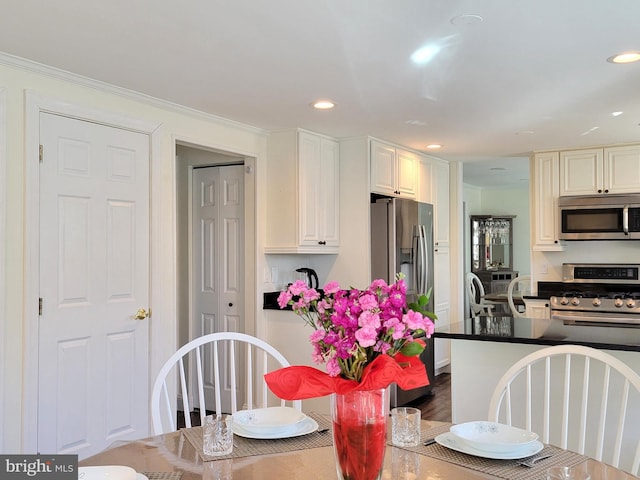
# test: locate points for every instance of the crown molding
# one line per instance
(63, 75)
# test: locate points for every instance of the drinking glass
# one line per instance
(566, 473)
(217, 435)
(405, 426)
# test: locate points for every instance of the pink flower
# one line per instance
(368, 302)
(331, 288)
(297, 288)
(367, 336)
(352, 327)
(333, 367)
(283, 298)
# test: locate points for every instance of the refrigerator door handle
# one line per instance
(424, 266)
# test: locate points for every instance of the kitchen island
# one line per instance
(483, 349)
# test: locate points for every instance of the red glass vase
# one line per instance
(360, 433)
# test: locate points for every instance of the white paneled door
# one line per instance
(218, 266)
(94, 282)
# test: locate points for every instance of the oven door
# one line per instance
(585, 317)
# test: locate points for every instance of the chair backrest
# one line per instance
(577, 398)
(207, 374)
(520, 284)
(475, 293)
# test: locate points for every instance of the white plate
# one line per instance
(453, 442)
(140, 476)
(308, 425)
(270, 420)
(493, 436)
(107, 472)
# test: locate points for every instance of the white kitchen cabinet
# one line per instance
(440, 196)
(442, 306)
(544, 198)
(393, 170)
(608, 170)
(303, 193)
(425, 176)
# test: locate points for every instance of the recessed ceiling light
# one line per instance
(417, 123)
(434, 146)
(526, 132)
(425, 54)
(626, 57)
(466, 19)
(498, 169)
(616, 114)
(323, 104)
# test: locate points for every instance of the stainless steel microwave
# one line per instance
(600, 217)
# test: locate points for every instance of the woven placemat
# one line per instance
(163, 475)
(508, 469)
(246, 447)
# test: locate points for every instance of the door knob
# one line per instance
(141, 314)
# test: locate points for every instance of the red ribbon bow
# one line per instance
(302, 382)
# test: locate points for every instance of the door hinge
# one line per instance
(41, 153)
(40, 306)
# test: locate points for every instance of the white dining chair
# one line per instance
(206, 375)
(522, 285)
(475, 295)
(577, 398)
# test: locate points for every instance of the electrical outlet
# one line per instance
(543, 269)
(266, 275)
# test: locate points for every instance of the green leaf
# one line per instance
(411, 349)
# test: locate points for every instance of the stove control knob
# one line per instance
(564, 301)
(631, 303)
(618, 302)
(597, 302)
(575, 301)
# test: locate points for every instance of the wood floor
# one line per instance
(436, 407)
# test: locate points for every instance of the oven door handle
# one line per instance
(572, 318)
(625, 219)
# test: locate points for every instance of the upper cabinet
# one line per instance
(440, 197)
(544, 198)
(393, 170)
(596, 171)
(303, 193)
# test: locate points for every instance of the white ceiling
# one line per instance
(532, 75)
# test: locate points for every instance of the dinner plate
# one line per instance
(270, 420)
(493, 436)
(107, 472)
(453, 442)
(307, 425)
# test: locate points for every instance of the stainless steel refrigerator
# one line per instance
(402, 241)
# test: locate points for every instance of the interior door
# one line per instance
(94, 277)
(218, 262)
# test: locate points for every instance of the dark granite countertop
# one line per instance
(543, 332)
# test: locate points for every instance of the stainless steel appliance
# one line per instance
(598, 294)
(601, 217)
(402, 241)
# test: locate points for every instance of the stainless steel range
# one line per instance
(598, 294)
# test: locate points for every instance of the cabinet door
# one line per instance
(622, 169)
(330, 193)
(407, 173)
(545, 202)
(440, 189)
(309, 188)
(442, 305)
(581, 172)
(425, 174)
(383, 168)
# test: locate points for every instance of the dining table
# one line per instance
(178, 456)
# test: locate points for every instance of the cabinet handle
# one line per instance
(322, 242)
(599, 190)
(606, 190)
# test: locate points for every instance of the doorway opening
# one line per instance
(215, 242)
